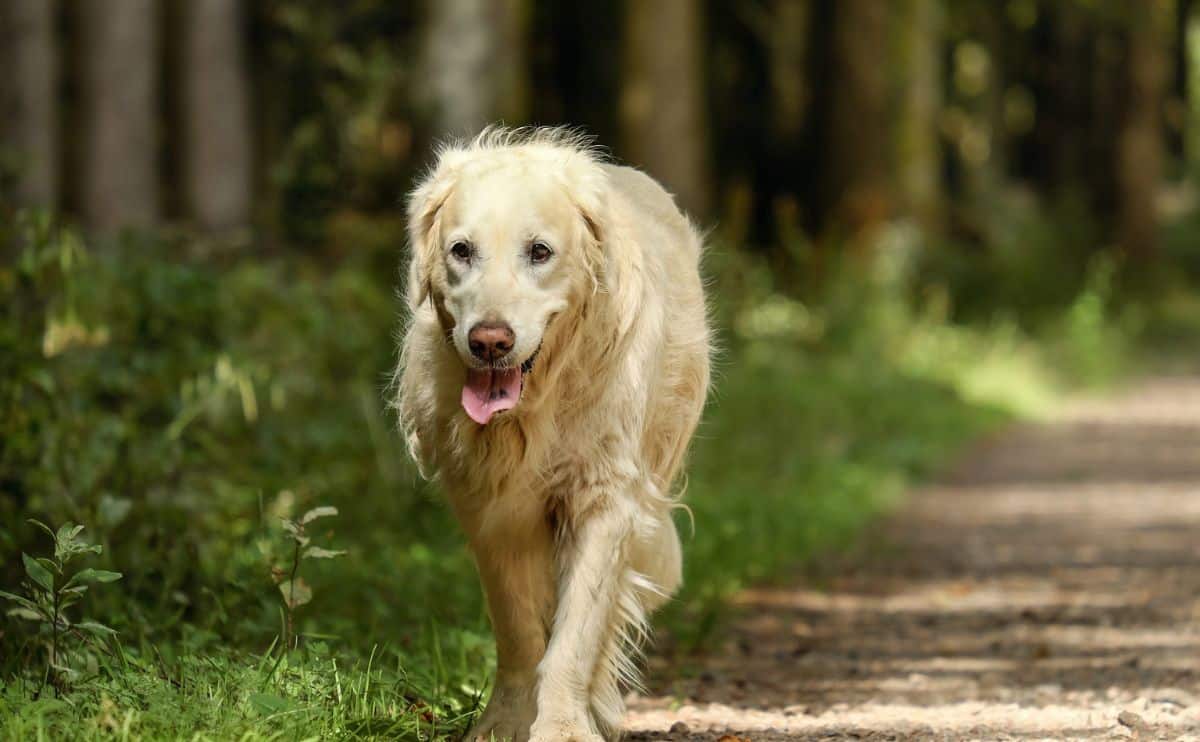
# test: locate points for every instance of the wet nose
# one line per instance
(490, 341)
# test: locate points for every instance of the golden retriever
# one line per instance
(553, 369)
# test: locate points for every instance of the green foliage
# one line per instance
(311, 693)
(1032, 263)
(336, 137)
(49, 592)
(1094, 337)
(184, 409)
(294, 591)
(1181, 248)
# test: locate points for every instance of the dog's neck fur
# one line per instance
(512, 451)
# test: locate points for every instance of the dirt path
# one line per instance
(1049, 588)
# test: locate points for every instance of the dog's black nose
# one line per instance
(491, 341)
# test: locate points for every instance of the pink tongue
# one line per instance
(489, 391)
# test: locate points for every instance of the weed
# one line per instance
(49, 592)
(295, 591)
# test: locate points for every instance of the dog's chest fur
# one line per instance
(508, 476)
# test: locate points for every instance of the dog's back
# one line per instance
(672, 251)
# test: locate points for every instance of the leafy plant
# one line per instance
(49, 592)
(295, 591)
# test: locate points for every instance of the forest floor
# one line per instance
(1047, 587)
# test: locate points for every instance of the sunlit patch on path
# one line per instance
(1048, 587)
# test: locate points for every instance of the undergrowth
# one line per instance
(191, 414)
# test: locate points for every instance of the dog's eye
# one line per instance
(540, 252)
(462, 251)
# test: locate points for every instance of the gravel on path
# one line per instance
(1046, 588)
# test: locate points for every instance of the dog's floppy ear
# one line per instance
(424, 204)
(614, 260)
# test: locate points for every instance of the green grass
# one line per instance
(181, 410)
(220, 694)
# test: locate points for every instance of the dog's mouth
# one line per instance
(494, 389)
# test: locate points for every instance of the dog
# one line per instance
(554, 366)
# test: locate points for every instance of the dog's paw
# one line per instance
(505, 718)
(499, 730)
(559, 730)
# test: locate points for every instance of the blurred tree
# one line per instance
(1191, 53)
(1141, 142)
(858, 132)
(1178, 95)
(572, 53)
(806, 116)
(919, 42)
(663, 108)
(1066, 98)
(474, 68)
(334, 100)
(120, 66)
(785, 30)
(29, 103)
(218, 165)
(975, 117)
(1002, 100)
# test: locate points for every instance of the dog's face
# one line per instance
(505, 255)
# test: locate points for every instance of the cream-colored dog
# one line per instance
(554, 368)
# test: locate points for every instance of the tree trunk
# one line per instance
(120, 85)
(218, 165)
(785, 29)
(1191, 52)
(918, 145)
(1177, 95)
(1067, 110)
(29, 108)
(785, 32)
(1141, 141)
(662, 108)
(857, 136)
(474, 64)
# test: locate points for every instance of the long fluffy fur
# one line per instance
(574, 450)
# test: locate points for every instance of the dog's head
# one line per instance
(505, 237)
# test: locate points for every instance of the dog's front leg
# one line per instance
(594, 581)
(518, 580)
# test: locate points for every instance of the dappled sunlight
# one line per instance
(1045, 584)
(946, 596)
(972, 719)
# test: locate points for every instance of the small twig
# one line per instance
(291, 601)
(53, 656)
